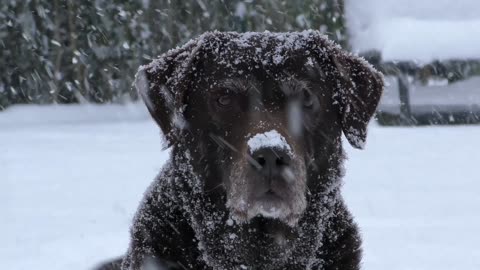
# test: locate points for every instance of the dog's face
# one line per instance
(261, 114)
(259, 128)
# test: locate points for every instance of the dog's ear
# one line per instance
(360, 87)
(163, 83)
(357, 86)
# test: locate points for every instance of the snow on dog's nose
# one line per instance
(271, 155)
(270, 139)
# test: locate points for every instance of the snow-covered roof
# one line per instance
(422, 30)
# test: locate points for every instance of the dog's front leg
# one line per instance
(342, 246)
(161, 237)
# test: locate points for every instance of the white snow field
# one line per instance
(71, 178)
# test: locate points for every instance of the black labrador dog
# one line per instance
(254, 123)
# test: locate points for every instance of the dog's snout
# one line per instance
(270, 161)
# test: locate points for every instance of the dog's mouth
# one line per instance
(268, 206)
(266, 192)
(282, 202)
(269, 195)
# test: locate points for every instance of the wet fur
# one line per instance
(185, 219)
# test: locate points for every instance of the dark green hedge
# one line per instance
(69, 51)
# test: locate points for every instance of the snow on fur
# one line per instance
(179, 189)
(271, 139)
(273, 51)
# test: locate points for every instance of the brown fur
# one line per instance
(210, 97)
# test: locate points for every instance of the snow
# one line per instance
(226, 44)
(271, 212)
(416, 30)
(271, 139)
(38, 115)
(240, 10)
(72, 177)
(414, 192)
(234, 53)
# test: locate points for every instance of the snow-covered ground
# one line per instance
(71, 179)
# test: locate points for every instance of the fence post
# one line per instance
(404, 95)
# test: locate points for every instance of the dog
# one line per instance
(254, 122)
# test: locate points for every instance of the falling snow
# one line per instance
(72, 176)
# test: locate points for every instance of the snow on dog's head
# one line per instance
(261, 117)
(295, 92)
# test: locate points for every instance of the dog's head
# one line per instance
(261, 114)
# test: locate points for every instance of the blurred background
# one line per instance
(77, 149)
(66, 51)
(87, 51)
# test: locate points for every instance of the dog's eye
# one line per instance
(225, 100)
(307, 99)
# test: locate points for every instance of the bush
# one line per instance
(71, 51)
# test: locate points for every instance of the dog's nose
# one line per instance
(270, 161)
